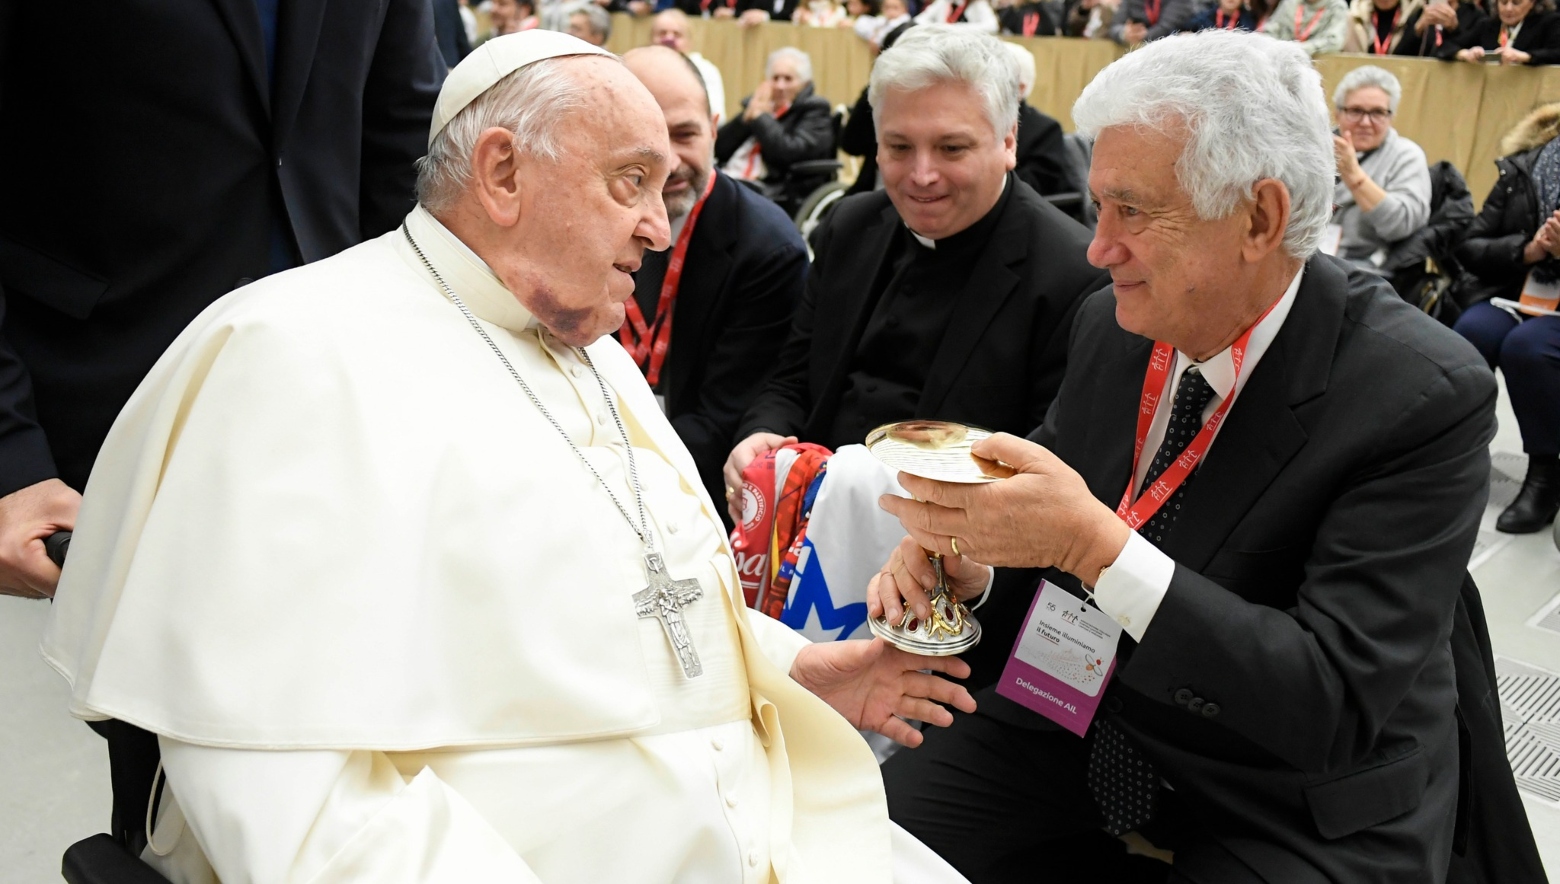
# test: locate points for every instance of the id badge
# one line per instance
(1062, 660)
(1539, 298)
(1332, 238)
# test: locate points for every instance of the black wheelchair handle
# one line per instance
(57, 545)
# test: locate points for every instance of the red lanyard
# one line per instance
(1031, 22)
(635, 334)
(1151, 10)
(752, 160)
(1218, 20)
(704, 5)
(1505, 37)
(1135, 513)
(1378, 44)
(957, 13)
(1301, 37)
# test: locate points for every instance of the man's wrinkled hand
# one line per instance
(27, 518)
(908, 578)
(1042, 515)
(876, 686)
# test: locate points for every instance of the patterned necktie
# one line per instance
(1123, 781)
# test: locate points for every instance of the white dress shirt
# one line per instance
(1132, 588)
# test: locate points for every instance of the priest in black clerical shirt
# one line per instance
(949, 294)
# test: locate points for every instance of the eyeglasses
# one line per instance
(1355, 114)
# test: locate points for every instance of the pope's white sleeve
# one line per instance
(325, 817)
(780, 643)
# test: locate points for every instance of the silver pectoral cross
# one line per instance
(664, 600)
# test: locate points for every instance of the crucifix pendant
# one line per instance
(664, 600)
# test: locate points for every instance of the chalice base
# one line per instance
(925, 640)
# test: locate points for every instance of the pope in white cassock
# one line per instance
(399, 559)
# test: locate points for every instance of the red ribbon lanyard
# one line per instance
(752, 160)
(636, 335)
(957, 13)
(1135, 513)
(1302, 36)
(1218, 20)
(1151, 11)
(1031, 23)
(1377, 44)
(1505, 37)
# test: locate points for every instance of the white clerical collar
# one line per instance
(1219, 370)
(471, 278)
(932, 243)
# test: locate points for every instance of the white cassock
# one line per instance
(381, 616)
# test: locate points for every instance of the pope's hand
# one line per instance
(875, 686)
(909, 578)
(1042, 515)
(27, 518)
(752, 447)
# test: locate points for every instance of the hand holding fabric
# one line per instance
(875, 686)
(746, 451)
(908, 579)
(27, 517)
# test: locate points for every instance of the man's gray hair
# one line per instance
(600, 20)
(1253, 107)
(929, 55)
(529, 102)
(1369, 75)
(800, 59)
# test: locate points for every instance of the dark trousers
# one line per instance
(1527, 352)
(1005, 804)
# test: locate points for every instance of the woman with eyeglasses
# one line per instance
(1383, 190)
(1520, 32)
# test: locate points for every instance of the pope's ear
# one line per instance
(495, 175)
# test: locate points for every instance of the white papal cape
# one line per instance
(329, 522)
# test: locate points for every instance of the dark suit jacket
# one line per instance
(1296, 685)
(744, 274)
(1539, 37)
(168, 162)
(999, 363)
(806, 132)
(1042, 155)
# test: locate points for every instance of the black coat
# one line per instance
(1000, 362)
(1320, 557)
(806, 132)
(172, 163)
(1424, 45)
(1539, 37)
(1042, 154)
(745, 269)
(859, 139)
(1046, 16)
(1491, 251)
(1451, 211)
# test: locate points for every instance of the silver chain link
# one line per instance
(643, 528)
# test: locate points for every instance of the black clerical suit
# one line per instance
(1539, 37)
(742, 278)
(889, 330)
(178, 149)
(1042, 154)
(1296, 685)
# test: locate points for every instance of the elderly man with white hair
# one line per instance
(1383, 190)
(1253, 503)
(782, 123)
(400, 561)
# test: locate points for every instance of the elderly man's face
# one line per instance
(586, 220)
(1171, 269)
(784, 82)
(505, 16)
(671, 31)
(942, 164)
(1366, 116)
(688, 123)
(893, 9)
(579, 26)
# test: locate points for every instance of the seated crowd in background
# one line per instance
(1383, 190)
(782, 123)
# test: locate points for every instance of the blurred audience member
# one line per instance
(781, 123)
(754, 12)
(821, 14)
(717, 304)
(874, 28)
(1435, 23)
(1376, 27)
(1317, 25)
(1091, 18)
(1041, 153)
(859, 136)
(449, 31)
(1514, 247)
(670, 29)
(1038, 18)
(1383, 190)
(975, 14)
(1225, 15)
(1139, 21)
(947, 295)
(590, 23)
(1520, 32)
(509, 17)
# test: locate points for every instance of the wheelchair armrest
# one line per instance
(100, 860)
(810, 168)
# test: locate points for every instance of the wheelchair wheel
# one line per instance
(817, 207)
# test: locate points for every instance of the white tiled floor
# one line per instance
(54, 771)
